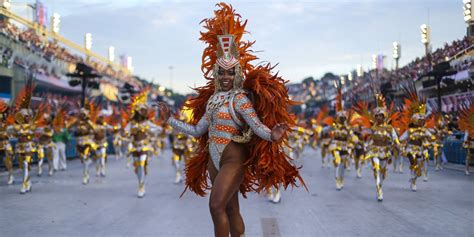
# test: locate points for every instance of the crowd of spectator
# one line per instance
(51, 50)
(414, 69)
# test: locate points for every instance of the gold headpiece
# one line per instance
(139, 101)
(381, 106)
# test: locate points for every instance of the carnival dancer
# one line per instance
(24, 130)
(45, 144)
(415, 134)
(116, 131)
(325, 137)
(440, 132)
(341, 139)
(359, 150)
(224, 120)
(6, 151)
(381, 140)
(118, 141)
(322, 134)
(180, 143)
(101, 144)
(296, 144)
(84, 132)
(466, 124)
(139, 130)
(397, 158)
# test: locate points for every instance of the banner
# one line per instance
(41, 14)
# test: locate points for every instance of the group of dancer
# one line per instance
(136, 132)
(383, 135)
(36, 133)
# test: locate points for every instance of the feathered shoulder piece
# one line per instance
(23, 99)
(22, 102)
(363, 115)
(466, 117)
(94, 111)
(413, 104)
(3, 106)
(42, 117)
(59, 120)
(323, 113)
(339, 106)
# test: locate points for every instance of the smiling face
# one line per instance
(226, 78)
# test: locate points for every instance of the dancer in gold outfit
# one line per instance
(24, 130)
(381, 140)
(84, 137)
(440, 132)
(139, 130)
(6, 150)
(415, 134)
(342, 139)
(46, 144)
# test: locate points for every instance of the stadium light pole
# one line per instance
(374, 65)
(469, 18)
(360, 71)
(397, 50)
(111, 54)
(5, 4)
(426, 40)
(88, 45)
(55, 23)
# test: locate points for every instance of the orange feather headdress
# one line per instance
(414, 108)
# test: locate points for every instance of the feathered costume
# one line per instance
(6, 150)
(84, 136)
(382, 139)
(24, 130)
(342, 138)
(45, 144)
(415, 134)
(139, 130)
(440, 129)
(267, 164)
(322, 133)
(466, 124)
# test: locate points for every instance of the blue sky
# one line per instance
(306, 38)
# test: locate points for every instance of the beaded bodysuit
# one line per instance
(223, 122)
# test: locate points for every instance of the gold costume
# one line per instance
(180, 150)
(440, 132)
(84, 141)
(24, 131)
(6, 150)
(139, 131)
(100, 149)
(45, 147)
